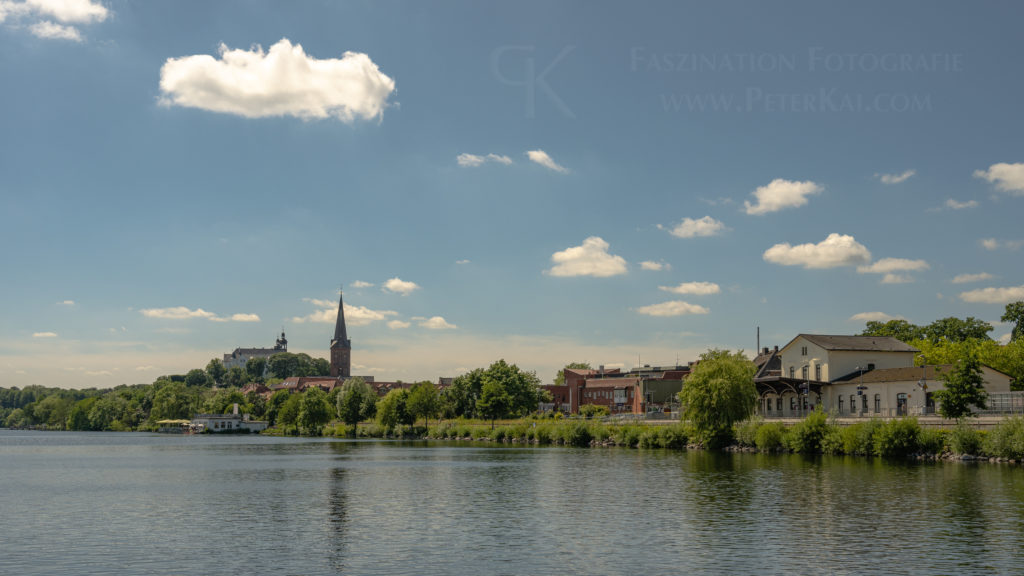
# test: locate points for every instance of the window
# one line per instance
(803, 372)
(864, 403)
(778, 404)
(840, 404)
(803, 351)
(853, 403)
(792, 404)
(792, 371)
(817, 372)
(878, 403)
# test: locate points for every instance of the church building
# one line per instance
(341, 346)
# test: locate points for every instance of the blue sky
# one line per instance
(541, 182)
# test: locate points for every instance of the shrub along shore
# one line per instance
(816, 434)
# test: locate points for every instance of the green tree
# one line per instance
(357, 401)
(273, 409)
(78, 418)
(560, 377)
(236, 377)
(197, 378)
(392, 409)
(963, 389)
(314, 411)
(288, 414)
(957, 330)
(173, 400)
(216, 371)
(424, 402)
(256, 368)
(1015, 313)
(222, 401)
(494, 402)
(522, 388)
(718, 393)
(319, 367)
(898, 329)
(459, 399)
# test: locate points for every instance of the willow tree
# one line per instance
(718, 393)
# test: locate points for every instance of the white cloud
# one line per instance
(1007, 177)
(397, 324)
(399, 286)
(690, 228)
(361, 284)
(589, 259)
(283, 81)
(993, 244)
(895, 178)
(437, 323)
(966, 278)
(671, 308)
(472, 160)
(890, 265)
(955, 205)
(541, 157)
(44, 335)
(52, 30)
(893, 278)
(874, 317)
(245, 318)
(780, 194)
(66, 303)
(176, 313)
(698, 288)
(834, 251)
(354, 315)
(145, 368)
(462, 261)
(994, 295)
(78, 11)
(654, 266)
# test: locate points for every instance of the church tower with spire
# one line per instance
(341, 346)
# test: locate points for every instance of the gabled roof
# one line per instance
(768, 364)
(855, 343)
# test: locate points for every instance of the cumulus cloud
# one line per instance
(698, 288)
(437, 323)
(66, 303)
(893, 265)
(176, 313)
(354, 315)
(895, 178)
(690, 228)
(1007, 177)
(52, 30)
(589, 259)
(245, 318)
(654, 266)
(397, 324)
(41, 13)
(780, 194)
(832, 252)
(874, 317)
(361, 284)
(956, 205)
(993, 244)
(990, 243)
(994, 295)
(967, 278)
(894, 278)
(398, 286)
(44, 334)
(465, 261)
(283, 81)
(672, 308)
(472, 160)
(541, 157)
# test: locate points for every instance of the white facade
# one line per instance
(825, 365)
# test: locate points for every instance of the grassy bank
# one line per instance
(816, 434)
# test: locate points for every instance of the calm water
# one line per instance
(81, 503)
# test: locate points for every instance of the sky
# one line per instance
(544, 182)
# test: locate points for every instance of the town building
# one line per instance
(233, 422)
(341, 346)
(851, 376)
(642, 390)
(241, 356)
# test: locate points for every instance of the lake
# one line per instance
(120, 503)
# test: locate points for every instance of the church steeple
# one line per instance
(341, 346)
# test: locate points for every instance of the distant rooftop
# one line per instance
(858, 343)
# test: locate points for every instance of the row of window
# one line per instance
(803, 372)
